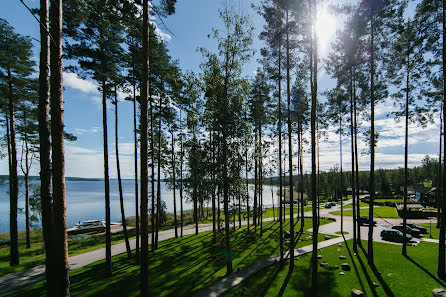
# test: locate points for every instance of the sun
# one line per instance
(325, 28)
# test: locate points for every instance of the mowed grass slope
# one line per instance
(36, 254)
(180, 266)
(396, 275)
(378, 212)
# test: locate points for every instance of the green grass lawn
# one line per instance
(180, 266)
(400, 276)
(378, 211)
(434, 232)
(36, 254)
(361, 204)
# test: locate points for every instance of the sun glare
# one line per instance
(325, 28)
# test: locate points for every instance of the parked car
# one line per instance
(411, 231)
(330, 204)
(394, 235)
(87, 226)
(423, 230)
(364, 221)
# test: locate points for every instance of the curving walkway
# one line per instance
(227, 283)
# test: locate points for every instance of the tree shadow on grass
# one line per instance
(354, 264)
(377, 275)
(439, 281)
(285, 283)
(366, 274)
(301, 282)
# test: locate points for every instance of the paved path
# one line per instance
(226, 283)
(14, 281)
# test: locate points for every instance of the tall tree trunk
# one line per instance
(226, 207)
(194, 190)
(108, 260)
(44, 152)
(118, 169)
(352, 138)
(152, 181)
(181, 177)
(214, 227)
(13, 182)
(246, 170)
(313, 148)
(302, 202)
(57, 145)
(441, 243)
(239, 208)
(25, 171)
(254, 215)
(318, 184)
(290, 151)
(174, 187)
(279, 128)
(260, 180)
(136, 175)
(158, 192)
(439, 184)
(28, 240)
(272, 194)
(144, 268)
(358, 200)
(341, 186)
(218, 205)
(406, 155)
(372, 143)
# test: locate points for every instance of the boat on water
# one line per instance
(86, 227)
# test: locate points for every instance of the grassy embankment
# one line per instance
(36, 254)
(396, 275)
(179, 267)
(378, 211)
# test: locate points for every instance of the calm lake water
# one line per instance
(85, 200)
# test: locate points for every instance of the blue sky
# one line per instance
(190, 26)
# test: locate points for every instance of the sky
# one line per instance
(187, 30)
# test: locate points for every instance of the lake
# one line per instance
(85, 200)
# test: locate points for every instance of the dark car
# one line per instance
(394, 235)
(365, 221)
(411, 231)
(423, 230)
(330, 204)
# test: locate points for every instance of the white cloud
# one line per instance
(81, 131)
(162, 35)
(72, 80)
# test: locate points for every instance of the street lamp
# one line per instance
(430, 227)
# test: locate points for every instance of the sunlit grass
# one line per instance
(378, 212)
(180, 266)
(396, 275)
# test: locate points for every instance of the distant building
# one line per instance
(361, 192)
(410, 192)
(426, 196)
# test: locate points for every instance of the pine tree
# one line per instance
(15, 68)
(233, 51)
(97, 35)
(57, 151)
